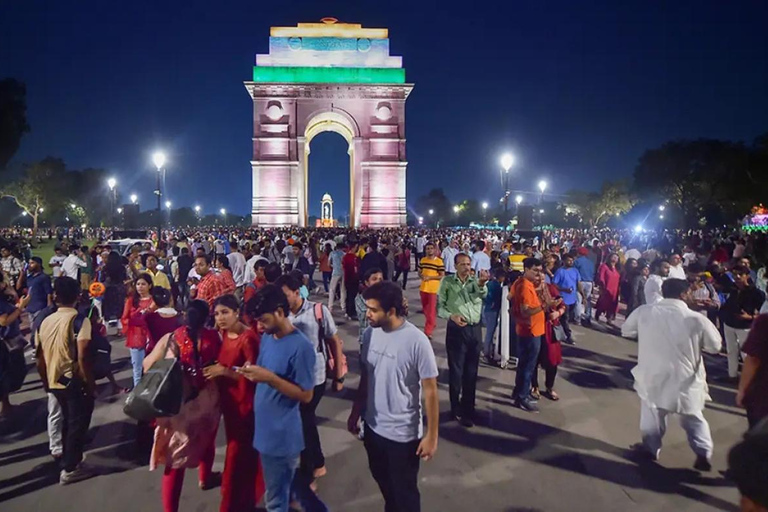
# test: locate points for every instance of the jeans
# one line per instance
(653, 426)
(734, 340)
(429, 305)
(137, 358)
(55, 426)
(76, 409)
(463, 347)
(327, 280)
(491, 320)
(527, 355)
(312, 457)
(395, 467)
(586, 288)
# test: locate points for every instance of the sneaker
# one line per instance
(702, 464)
(81, 472)
(527, 406)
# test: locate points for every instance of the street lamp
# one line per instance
(158, 158)
(507, 161)
(134, 198)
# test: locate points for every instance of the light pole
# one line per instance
(158, 158)
(507, 161)
(112, 183)
(542, 187)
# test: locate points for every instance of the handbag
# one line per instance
(160, 391)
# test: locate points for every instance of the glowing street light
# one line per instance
(134, 198)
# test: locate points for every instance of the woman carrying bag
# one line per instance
(187, 440)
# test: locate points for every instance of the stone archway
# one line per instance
(329, 77)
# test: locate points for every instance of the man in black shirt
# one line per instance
(738, 312)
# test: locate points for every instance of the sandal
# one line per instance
(551, 395)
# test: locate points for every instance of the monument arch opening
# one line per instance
(336, 77)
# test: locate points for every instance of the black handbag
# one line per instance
(160, 391)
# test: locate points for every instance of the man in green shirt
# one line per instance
(460, 300)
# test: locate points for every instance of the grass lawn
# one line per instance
(45, 252)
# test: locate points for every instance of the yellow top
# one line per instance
(431, 267)
(330, 29)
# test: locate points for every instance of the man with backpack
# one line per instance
(314, 320)
(65, 371)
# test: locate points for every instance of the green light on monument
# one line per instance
(329, 75)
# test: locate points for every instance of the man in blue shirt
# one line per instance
(567, 281)
(39, 289)
(285, 372)
(586, 268)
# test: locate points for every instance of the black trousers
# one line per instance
(352, 289)
(567, 318)
(463, 345)
(76, 409)
(395, 467)
(312, 457)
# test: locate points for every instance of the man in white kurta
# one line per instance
(670, 377)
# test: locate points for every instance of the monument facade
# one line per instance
(329, 76)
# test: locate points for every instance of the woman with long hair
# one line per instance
(608, 278)
(225, 273)
(187, 440)
(164, 319)
(242, 483)
(137, 305)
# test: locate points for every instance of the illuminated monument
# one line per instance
(321, 77)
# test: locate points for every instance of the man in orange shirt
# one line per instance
(529, 324)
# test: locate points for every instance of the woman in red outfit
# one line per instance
(242, 484)
(609, 277)
(188, 439)
(138, 304)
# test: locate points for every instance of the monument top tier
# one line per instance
(329, 52)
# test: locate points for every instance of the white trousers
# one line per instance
(336, 281)
(55, 426)
(653, 426)
(734, 340)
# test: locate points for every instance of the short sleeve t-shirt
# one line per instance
(277, 425)
(524, 293)
(306, 322)
(756, 396)
(53, 339)
(396, 362)
(431, 267)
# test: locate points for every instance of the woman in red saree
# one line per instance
(188, 439)
(242, 484)
(609, 277)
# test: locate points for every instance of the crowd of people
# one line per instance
(255, 334)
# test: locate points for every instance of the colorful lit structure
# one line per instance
(328, 76)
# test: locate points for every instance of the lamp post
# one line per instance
(507, 160)
(158, 158)
(112, 183)
(542, 187)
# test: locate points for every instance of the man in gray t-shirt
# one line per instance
(397, 365)
(303, 317)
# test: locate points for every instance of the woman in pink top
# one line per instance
(608, 277)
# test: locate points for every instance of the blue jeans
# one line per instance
(282, 480)
(137, 358)
(491, 320)
(527, 354)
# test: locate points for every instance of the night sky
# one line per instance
(578, 90)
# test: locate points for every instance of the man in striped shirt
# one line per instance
(431, 271)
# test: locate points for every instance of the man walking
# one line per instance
(529, 326)
(568, 281)
(670, 377)
(67, 375)
(586, 268)
(397, 364)
(431, 271)
(460, 300)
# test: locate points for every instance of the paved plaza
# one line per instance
(573, 456)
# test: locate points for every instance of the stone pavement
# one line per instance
(571, 457)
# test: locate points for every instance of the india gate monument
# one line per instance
(329, 76)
